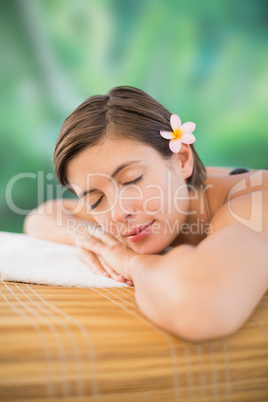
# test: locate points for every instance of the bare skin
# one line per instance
(216, 276)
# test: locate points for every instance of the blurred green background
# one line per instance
(204, 60)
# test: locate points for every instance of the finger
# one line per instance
(99, 234)
(105, 237)
(98, 266)
(114, 275)
(129, 283)
(97, 230)
(93, 244)
(118, 257)
(92, 261)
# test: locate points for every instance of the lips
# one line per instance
(137, 230)
(140, 233)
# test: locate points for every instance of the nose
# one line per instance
(121, 213)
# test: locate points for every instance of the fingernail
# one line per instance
(120, 277)
(105, 274)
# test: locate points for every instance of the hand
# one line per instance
(106, 256)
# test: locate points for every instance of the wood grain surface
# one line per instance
(81, 344)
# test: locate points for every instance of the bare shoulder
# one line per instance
(245, 203)
(217, 170)
(222, 188)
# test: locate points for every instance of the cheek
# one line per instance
(166, 199)
(180, 200)
(101, 219)
(169, 206)
(155, 200)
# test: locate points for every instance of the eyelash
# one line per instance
(128, 183)
(135, 181)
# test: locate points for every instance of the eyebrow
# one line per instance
(114, 174)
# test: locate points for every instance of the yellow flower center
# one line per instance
(177, 133)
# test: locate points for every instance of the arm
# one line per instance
(67, 221)
(207, 291)
(214, 287)
(201, 292)
(58, 220)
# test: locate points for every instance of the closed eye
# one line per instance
(96, 203)
(135, 181)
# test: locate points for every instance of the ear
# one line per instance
(185, 160)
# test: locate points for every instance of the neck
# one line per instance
(196, 227)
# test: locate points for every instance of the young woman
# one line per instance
(193, 241)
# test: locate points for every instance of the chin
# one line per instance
(148, 248)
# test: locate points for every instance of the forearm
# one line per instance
(160, 288)
(51, 221)
(206, 291)
(234, 275)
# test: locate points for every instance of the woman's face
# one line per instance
(137, 196)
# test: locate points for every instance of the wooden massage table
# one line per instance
(93, 344)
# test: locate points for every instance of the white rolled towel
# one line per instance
(27, 259)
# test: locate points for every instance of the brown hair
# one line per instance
(125, 111)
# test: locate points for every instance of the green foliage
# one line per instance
(204, 60)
